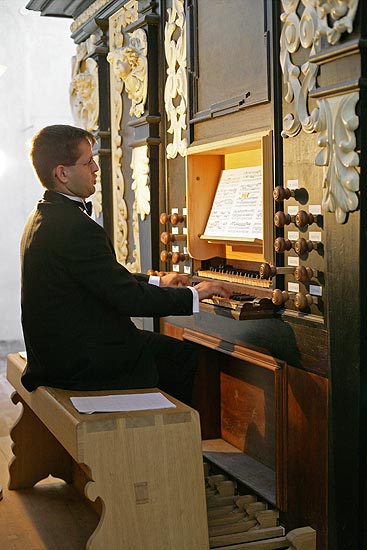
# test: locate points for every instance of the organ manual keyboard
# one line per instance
(250, 298)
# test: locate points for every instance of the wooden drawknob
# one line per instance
(302, 273)
(174, 219)
(266, 271)
(282, 193)
(302, 301)
(304, 218)
(301, 246)
(171, 237)
(281, 219)
(165, 256)
(178, 257)
(281, 244)
(279, 296)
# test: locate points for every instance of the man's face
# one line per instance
(81, 176)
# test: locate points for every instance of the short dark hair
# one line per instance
(54, 145)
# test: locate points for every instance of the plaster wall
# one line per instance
(34, 92)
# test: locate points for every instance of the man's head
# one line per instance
(62, 158)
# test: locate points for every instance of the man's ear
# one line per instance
(60, 174)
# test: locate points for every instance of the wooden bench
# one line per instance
(146, 467)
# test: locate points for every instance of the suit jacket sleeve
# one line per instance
(92, 263)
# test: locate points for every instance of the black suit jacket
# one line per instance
(77, 301)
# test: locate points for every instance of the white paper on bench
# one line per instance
(121, 403)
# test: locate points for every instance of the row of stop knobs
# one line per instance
(166, 238)
(301, 246)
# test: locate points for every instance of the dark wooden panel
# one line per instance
(307, 452)
(206, 394)
(247, 412)
(224, 80)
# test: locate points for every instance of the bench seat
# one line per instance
(144, 469)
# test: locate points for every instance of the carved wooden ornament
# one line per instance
(335, 117)
(175, 92)
(118, 22)
(84, 101)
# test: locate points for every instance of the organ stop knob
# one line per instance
(171, 237)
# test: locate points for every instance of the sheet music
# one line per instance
(237, 208)
(121, 403)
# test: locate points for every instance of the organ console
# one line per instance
(270, 389)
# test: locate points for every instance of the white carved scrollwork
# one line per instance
(175, 92)
(336, 124)
(326, 19)
(140, 185)
(118, 22)
(84, 100)
(131, 65)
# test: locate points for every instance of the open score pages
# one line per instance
(236, 213)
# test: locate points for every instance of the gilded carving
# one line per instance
(175, 92)
(131, 66)
(117, 23)
(327, 19)
(84, 87)
(84, 100)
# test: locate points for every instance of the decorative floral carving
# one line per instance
(118, 22)
(140, 185)
(336, 123)
(84, 87)
(320, 19)
(175, 92)
(84, 101)
(131, 66)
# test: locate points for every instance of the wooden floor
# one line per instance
(51, 515)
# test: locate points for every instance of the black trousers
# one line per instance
(176, 361)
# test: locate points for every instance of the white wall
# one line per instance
(33, 93)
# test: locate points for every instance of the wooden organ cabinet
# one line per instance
(182, 95)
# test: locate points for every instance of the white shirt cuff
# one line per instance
(154, 280)
(195, 299)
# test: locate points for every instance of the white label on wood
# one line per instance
(187, 269)
(176, 267)
(175, 248)
(315, 236)
(293, 261)
(292, 184)
(293, 287)
(315, 209)
(292, 210)
(315, 290)
(293, 235)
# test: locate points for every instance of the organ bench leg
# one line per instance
(37, 453)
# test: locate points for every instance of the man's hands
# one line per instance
(174, 279)
(206, 289)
